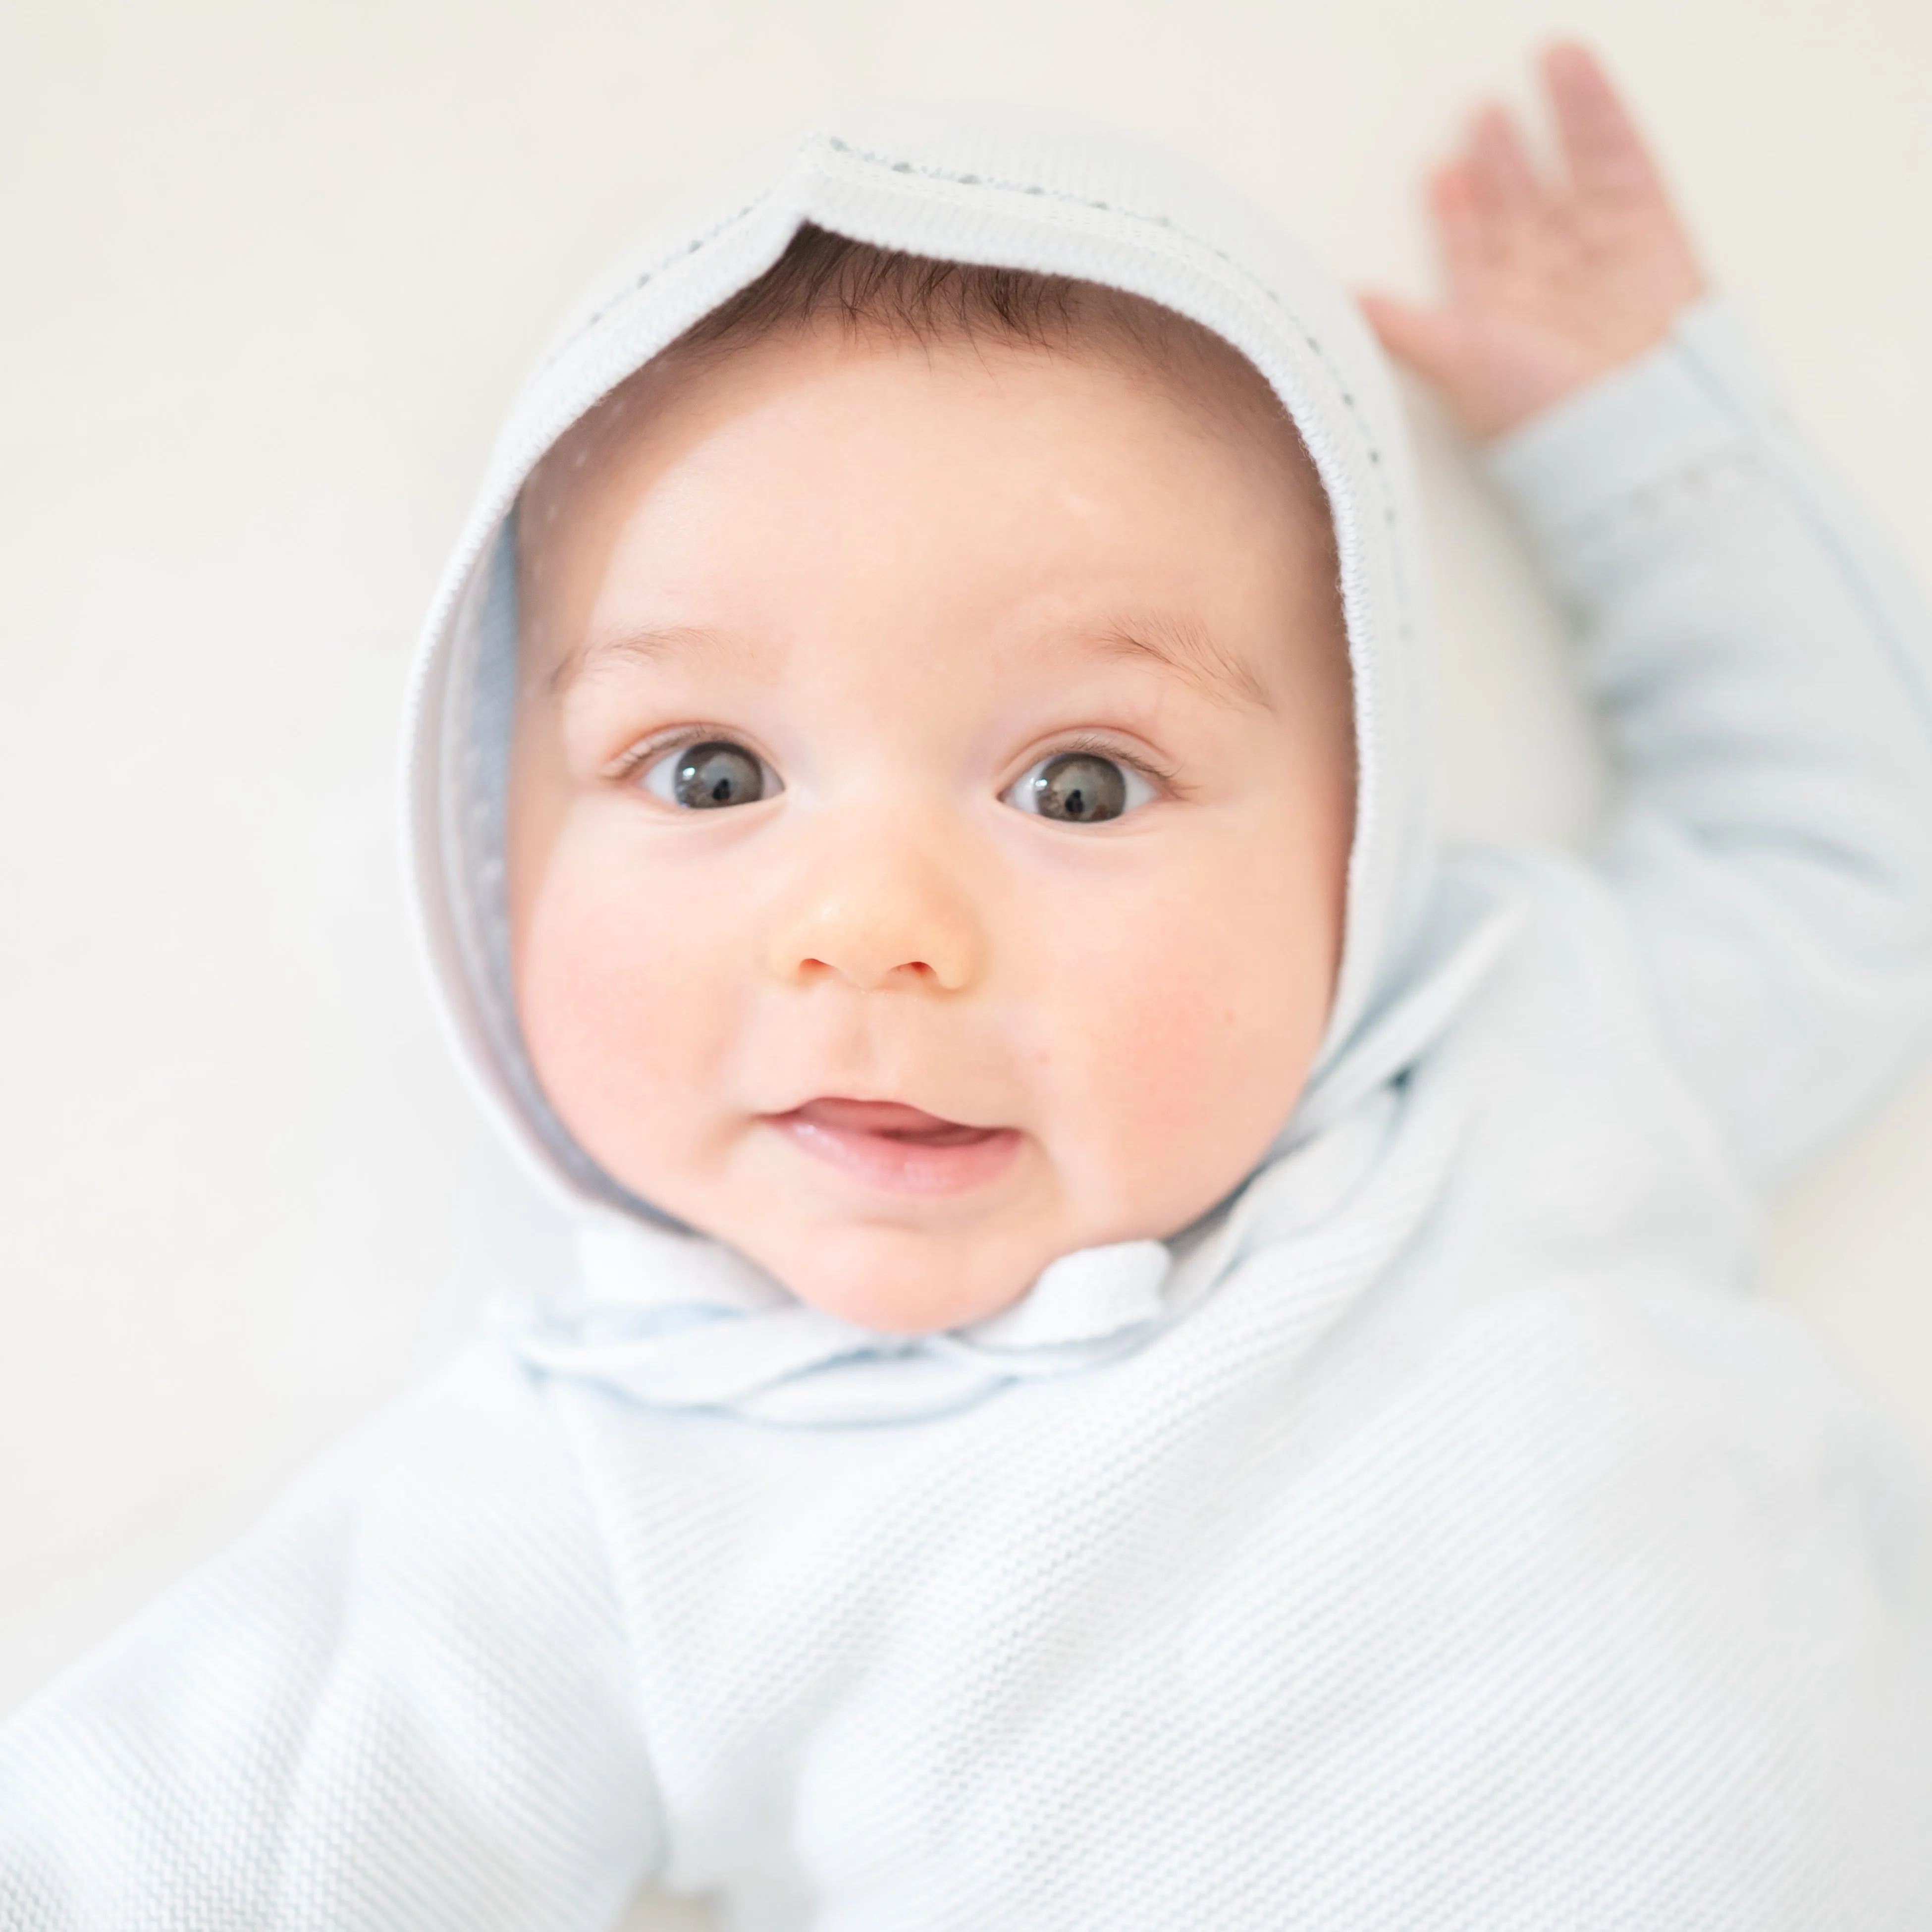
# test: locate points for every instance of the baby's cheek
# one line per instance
(616, 992)
(1193, 1046)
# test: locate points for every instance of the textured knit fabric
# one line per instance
(1439, 1539)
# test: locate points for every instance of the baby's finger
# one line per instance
(1461, 232)
(1606, 154)
(1504, 184)
(1426, 340)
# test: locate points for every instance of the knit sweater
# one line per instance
(1438, 1536)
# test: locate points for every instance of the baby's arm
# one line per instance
(1762, 662)
(404, 1701)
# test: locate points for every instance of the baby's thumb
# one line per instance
(1423, 338)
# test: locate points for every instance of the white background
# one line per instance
(268, 274)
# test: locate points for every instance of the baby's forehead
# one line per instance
(825, 287)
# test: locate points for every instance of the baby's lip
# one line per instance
(892, 1118)
(889, 1144)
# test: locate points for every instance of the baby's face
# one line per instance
(930, 807)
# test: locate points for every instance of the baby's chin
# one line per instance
(900, 1280)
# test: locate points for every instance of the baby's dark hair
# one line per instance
(823, 277)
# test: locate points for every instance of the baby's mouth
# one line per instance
(888, 1144)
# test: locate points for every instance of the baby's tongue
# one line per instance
(890, 1119)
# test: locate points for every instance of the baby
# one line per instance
(1151, 1348)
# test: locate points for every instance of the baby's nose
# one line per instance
(881, 914)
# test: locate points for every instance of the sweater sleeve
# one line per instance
(404, 1701)
(1762, 663)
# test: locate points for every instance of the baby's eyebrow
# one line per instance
(1178, 645)
(651, 645)
(1190, 651)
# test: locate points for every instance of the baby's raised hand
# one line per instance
(1550, 284)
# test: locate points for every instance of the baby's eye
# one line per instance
(703, 777)
(1080, 788)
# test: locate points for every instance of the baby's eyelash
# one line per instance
(1097, 744)
(647, 749)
